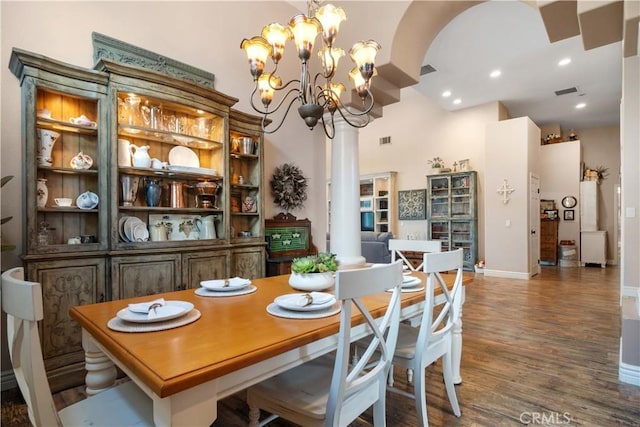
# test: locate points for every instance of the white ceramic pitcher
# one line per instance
(207, 227)
(140, 156)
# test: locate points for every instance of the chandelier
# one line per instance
(319, 95)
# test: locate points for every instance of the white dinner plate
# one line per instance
(235, 283)
(121, 228)
(183, 156)
(140, 232)
(204, 292)
(410, 281)
(143, 307)
(171, 310)
(296, 301)
(129, 224)
(275, 310)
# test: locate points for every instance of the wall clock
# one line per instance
(569, 202)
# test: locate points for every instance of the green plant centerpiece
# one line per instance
(314, 272)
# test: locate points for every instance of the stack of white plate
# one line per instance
(221, 285)
(143, 313)
(133, 229)
(312, 301)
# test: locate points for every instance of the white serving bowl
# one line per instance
(311, 281)
(63, 201)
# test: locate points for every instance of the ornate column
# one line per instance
(345, 194)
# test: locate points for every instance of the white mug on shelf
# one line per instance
(124, 155)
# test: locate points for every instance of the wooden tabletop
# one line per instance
(232, 333)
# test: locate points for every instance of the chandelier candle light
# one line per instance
(321, 94)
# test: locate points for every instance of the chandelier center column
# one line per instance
(345, 194)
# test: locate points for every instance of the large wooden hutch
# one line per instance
(191, 120)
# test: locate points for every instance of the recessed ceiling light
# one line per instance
(446, 94)
(581, 105)
(564, 61)
(457, 101)
(495, 73)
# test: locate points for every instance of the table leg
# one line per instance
(101, 372)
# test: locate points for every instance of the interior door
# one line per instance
(534, 224)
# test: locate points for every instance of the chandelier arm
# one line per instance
(331, 134)
(342, 107)
(284, 98)
(366, 111)
(286, 113)
(267, 112)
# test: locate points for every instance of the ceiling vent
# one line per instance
(426, 69)
(566, 91)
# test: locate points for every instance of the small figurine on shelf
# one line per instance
(249, 204)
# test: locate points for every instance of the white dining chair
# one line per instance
(123, 405)
(398, 247)
(417, 348)
(328, 391)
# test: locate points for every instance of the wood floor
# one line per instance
(538, 352)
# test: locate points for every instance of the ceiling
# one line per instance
(510, 36)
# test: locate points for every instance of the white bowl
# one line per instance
(311, 281)
(63, 201)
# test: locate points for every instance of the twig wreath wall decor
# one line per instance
(288, 187)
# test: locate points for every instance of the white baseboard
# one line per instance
(8, 380)
(629, 374)
(630, 291)
(507, 274)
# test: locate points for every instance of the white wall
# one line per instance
(601, 147)
(560, 175)
(509, 144)
(207, 39)
(421, 130)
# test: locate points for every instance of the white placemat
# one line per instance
(204, 292)
(275, 310)
(120, 325)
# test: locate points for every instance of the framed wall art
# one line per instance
(412, 204)
(569, 215)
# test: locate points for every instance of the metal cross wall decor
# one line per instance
(505, 190)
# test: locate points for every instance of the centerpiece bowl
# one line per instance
(313, 273)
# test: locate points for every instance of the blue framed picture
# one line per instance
(412, 204)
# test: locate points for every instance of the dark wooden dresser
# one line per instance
(549, 241)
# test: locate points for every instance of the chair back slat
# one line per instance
(435, 264)
(354, 388)
(398, 247)
(22, 301)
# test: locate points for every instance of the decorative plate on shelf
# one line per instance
(183, 156)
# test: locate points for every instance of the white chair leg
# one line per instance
(421, 400)
(390, 377)
(447, 372)
(456, 349)
(379, 410)
(410, 375)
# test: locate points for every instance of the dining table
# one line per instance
(232, 344)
